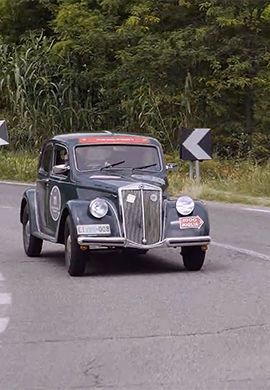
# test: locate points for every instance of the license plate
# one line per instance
(94, 229)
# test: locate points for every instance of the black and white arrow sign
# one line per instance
(3, 133)
(195, 144)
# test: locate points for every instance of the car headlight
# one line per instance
(98, 208)
(185, 205)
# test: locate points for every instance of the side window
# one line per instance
(61, 155)
(47, 159)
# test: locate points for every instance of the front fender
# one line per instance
(172, 221)
(29, 198)
(80, 214)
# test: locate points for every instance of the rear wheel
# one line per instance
(32, 245)
(193, 258)
(75, 258)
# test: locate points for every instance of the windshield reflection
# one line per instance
(91, 157)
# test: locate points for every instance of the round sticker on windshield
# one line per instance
(153, 197)
(55, 203)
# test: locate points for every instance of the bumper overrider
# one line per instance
(125, 243)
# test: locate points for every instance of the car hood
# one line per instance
(112, 181)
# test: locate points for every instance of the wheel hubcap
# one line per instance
(68, 252)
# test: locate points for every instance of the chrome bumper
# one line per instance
(123, 242)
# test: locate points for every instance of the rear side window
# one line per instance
(46, 162)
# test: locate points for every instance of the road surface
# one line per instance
(144, 324)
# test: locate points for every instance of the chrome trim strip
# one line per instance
(161, 214)
(121, 204)
(164, 204)
(136, 186)
(144, 241)
(115, 214)
(123, 242)
(106, 241)
(36, 213)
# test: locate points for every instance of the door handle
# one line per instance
(46, 181)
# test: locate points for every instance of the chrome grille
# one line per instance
(142, 214)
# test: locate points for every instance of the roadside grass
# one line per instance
(20, 166)
(221, 180)
(225, 181)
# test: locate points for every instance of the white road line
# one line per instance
(258, 210)
(3, 324)
(5, 299)
(1, 278)
(241, 250)
(17, 183)
(8, 208)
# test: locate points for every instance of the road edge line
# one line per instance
(241, 250)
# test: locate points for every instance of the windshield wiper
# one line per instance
(145, 166)
(112, 165)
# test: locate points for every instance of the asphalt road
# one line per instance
(138, 324)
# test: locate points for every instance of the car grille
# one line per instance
(141, 209)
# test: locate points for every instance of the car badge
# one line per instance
(153, 197)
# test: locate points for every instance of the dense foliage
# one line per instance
(141, 66)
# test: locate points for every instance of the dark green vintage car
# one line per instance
(109, 191)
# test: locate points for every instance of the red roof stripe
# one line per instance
(114, 140)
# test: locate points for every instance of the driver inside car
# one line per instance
(92, 157)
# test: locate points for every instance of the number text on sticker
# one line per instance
(194, 222)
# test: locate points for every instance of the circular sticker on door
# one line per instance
(55, 203)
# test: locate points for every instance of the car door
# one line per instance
(59, 189)
(42, 183)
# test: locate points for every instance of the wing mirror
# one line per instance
(61, 169)
(171, 166)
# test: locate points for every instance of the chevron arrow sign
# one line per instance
(195, 144)
(3, 133)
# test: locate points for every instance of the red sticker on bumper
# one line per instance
(114, 140)
(191, 222)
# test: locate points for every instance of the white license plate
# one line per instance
(94, 229)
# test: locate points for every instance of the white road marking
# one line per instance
(258, 210)
(8, 208)
(16, 183)
(3, 324)
(5, 299)
(241, 250)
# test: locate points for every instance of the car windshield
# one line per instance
(90, 157)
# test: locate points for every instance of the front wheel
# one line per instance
(32, 245)
(75, 258)
(193, 258)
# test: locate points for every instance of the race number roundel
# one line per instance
(55, 203)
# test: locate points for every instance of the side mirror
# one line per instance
(171, 166)
(60, 169)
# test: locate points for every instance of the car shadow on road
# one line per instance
(101, 263)
(113, 264)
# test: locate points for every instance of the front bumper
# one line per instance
(125, 243)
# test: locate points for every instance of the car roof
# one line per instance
(105, 137)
